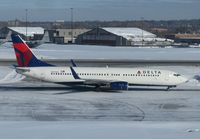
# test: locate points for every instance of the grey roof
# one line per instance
(30, 30)
(130, 33)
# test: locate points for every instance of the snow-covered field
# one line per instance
(54, 51)
(25, 99)
(84, 113)
(99, 130)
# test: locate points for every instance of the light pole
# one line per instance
(72, 26)
(142, 19)
(26, 22)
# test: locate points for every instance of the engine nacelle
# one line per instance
(119, 86)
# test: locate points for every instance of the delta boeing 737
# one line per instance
(98, 77)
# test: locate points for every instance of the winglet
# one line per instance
(75, 75)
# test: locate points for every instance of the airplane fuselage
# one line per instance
(111, 78)
(133, 76)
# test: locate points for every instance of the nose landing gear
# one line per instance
(169, 87)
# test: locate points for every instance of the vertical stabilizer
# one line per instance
(24, 55)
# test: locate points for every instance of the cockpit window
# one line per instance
(177, 75)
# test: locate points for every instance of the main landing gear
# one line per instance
(97, 88)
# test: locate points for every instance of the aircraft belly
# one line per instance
(61, 79)
(150, 81)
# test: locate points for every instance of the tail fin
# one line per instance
(8, 37)
(25, 57)
(45, 38)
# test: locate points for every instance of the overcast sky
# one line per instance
(51, 10)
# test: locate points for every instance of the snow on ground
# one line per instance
(99, 114)
(11, 77)
(99, 130)
(35, 101)
(102, 52)
(4, 71)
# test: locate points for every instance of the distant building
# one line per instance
(59, 23)
(66, 36)
(160, 30)
(187, 38)
(14, 23)
(29, 32)
(114, 36)
(51, 33)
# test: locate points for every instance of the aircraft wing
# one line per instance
(98, 81)
(112, 84)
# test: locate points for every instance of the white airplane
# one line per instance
(36, 43)
(107, 78)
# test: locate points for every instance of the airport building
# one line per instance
(114, 36)
(62, 36)
(59, 36)
(190, 39)
(35, 33)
